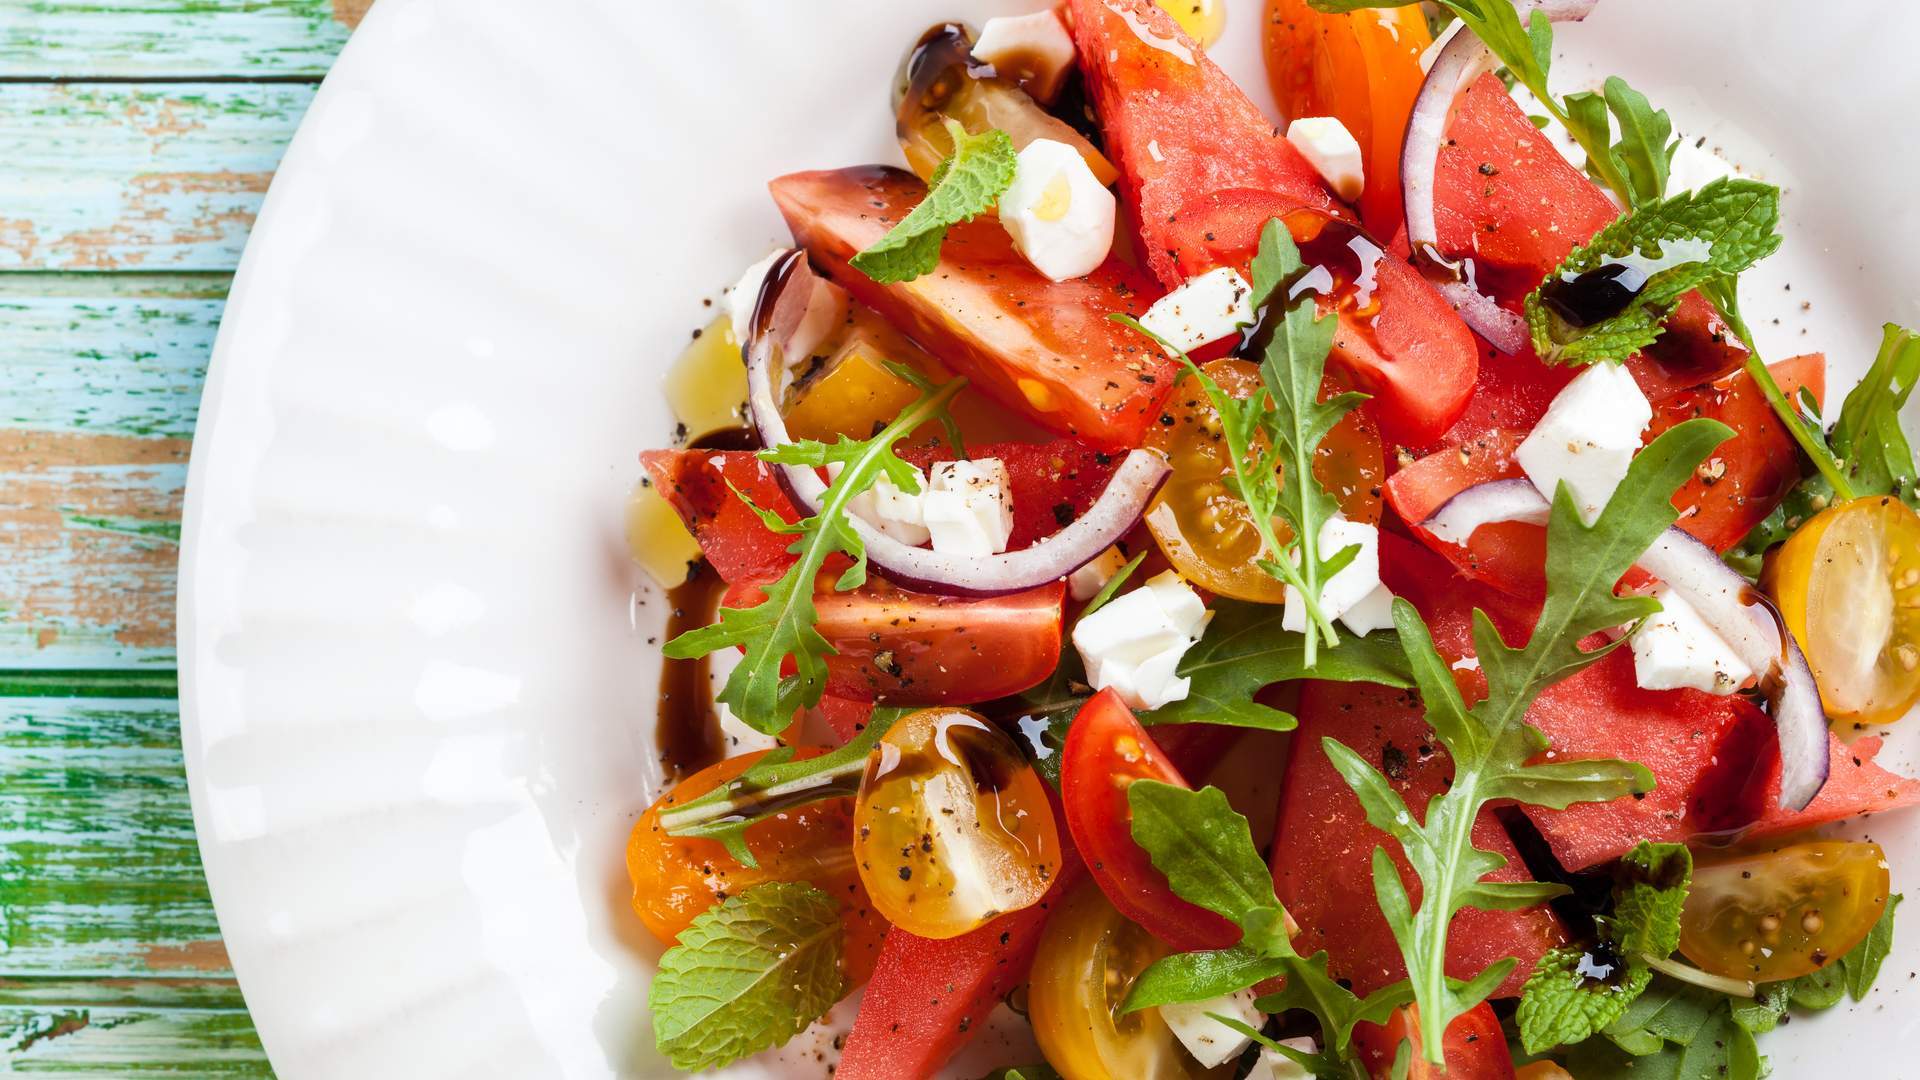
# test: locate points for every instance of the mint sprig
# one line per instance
(782, 625)
(1681, 243)
(747, 974)
(1491, 742)
(1274, 432)
(966, 184)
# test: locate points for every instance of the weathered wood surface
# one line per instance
(137, 138)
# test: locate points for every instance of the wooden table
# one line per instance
(136, 140)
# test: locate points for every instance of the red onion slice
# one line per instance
(781, 308)
(1460, 61)
(1738, 612)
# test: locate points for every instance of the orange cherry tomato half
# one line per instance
(676, 878)
(1363, 68)
(1202, 527)
(1782, 914)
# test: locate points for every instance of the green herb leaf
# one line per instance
(1673, 1032)
(747, 974)
(1201, 976)
(1205, 849)
(1646, 911)
(1867, 436)
(1563, 1003)
(1862, 963)
(1491, 743)
(782, 626)
(1024, 1072)
(776, 784)
(967, 184)
(1680, 243)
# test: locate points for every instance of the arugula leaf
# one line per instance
(966, 184)
(1206, 851)
(1274, 432)
(1491, 743)
(1322, 1064)
(1644, 152)
(1862, 963)
(1024, 1072)
(748, 974)
(1678, 244)
(1245, 651)
(1570, 996)
(782, 625)
(1867, 437)
(776, 784)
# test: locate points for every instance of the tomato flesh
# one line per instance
(1088, 961)
(952, 826)
(1204, 172)
(1475, 1047)
(1776, 915)
(1041, 348)
(1361, 67)
(1848, 585)
(1049, 484)
(1106, 751)
(676, 878)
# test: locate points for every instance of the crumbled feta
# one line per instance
(1272, 1066)
(826, 310)
(1202, 309)
(1134, 643)
(968, 507)
(1330, 148)
(1091, 578)
(1373, 612)
(1676, 648)
(1059, 214)
(1587, 437)
(896, 513)
(1033, 50)
(1355, 582)
(1211, 1042)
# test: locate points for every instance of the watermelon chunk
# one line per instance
(1205, 171)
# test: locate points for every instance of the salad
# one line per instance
(1344, 599)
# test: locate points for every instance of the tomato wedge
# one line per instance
(908, 648)
(1205, 171)
(1362, 67)
(1041, 348)
(1475, 1047)
(1107, 749)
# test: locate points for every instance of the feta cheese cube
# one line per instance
(1355, 582)
(1211, 1042)
(826, 310)
(1033, 50)
(1272, 1066)
(968, 508)
(1134, 644)
(1059, 215)
(1676, 648)
(1203, 309)
(1373, 612)
(896, 513)
(1331, 149)
(1087, 581)
(1587, 437)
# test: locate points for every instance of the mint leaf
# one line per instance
(967, 184)
(1646, 912)
(1245, 651)
(747, 974)
(1564, 1002)
(1491, 742)
(781, 627)
(1675, 245)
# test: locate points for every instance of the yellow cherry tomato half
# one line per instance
(952, 826)
(1785, 913)
(1088, 960)
(1202, 527)
(1848, 585)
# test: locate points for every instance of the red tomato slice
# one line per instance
(1043, 349)
(1205, 171)
(1323, 848)
(1505, 197)
(1475, 1047)
(926, 997)
(1106, 750)
(908, 648)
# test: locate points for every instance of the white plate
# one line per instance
(418, 683)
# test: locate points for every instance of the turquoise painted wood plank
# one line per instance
(99, 872)
(137, 177)
(111, 367)
(172, 38)
(93, 1040)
